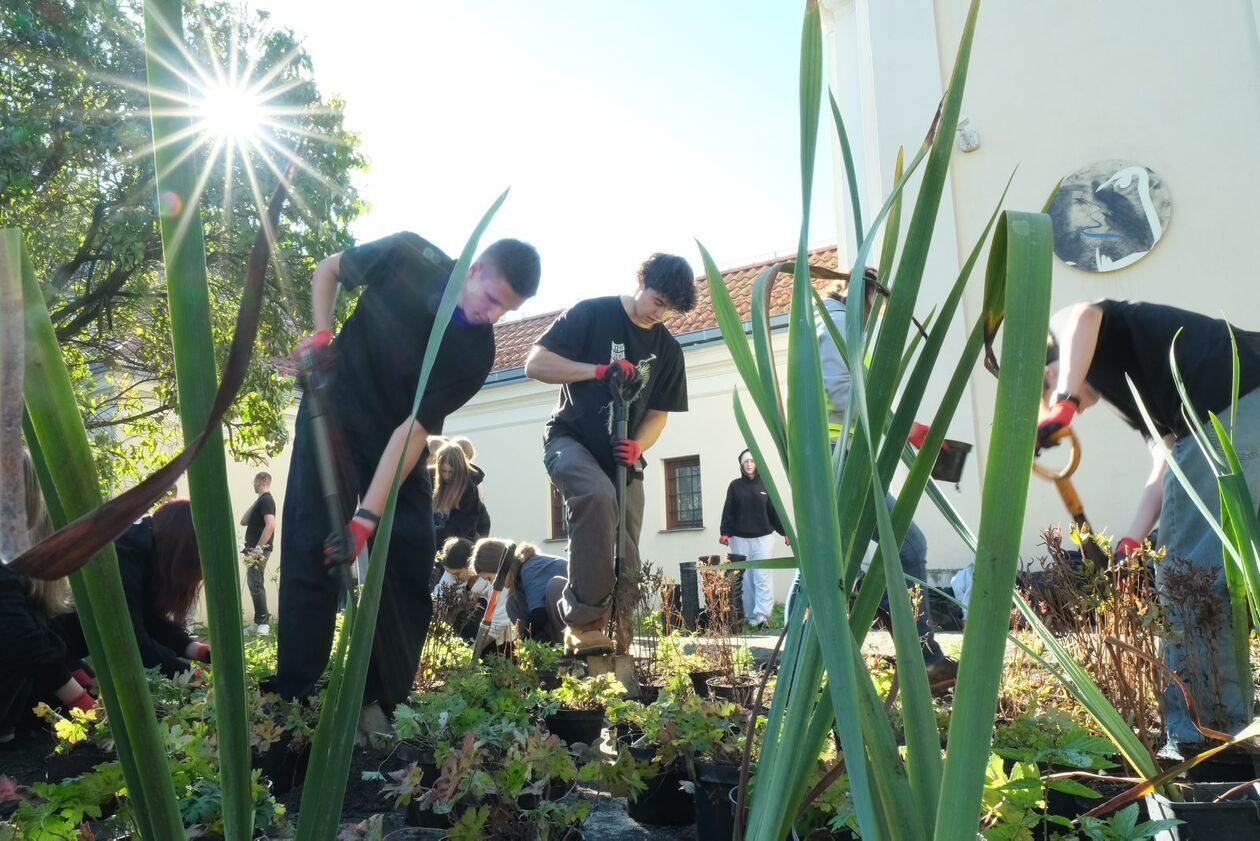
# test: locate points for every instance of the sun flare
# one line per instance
(231, 113)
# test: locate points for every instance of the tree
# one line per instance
(76, 175)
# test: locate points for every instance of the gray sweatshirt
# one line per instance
(835, 374)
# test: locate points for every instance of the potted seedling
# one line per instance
(575, 710)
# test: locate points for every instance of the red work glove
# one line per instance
(1126, 546)
(83, 678)
(312, 351)
(357, 532)
(1060, 417)
(627, 451)
(918, 432)
(626, 368)
(199, 651)
(82, 703)
(787, 541)
(725, 540)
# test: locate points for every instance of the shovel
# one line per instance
(1067, 491)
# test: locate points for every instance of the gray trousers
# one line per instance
(590, 508)
(257, 590)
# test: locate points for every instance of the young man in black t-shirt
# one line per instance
(627, 334)
(1102, 344)
(376, 363)
(260, 527)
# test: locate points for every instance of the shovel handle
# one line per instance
(1074, 457)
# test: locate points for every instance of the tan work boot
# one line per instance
(586, 640)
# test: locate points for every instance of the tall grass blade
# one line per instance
(183, 247)
(1004, 501)
(850, 176)
(69, 481)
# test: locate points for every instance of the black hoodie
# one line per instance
(748, 511)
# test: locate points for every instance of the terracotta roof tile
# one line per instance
(513, 339)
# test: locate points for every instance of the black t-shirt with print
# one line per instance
(381, 348)
(264, 505)
(1134, 339)
(598, 331)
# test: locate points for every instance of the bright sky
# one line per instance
(621, 128)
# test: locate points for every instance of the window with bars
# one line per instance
(559, 525)
(683, 506)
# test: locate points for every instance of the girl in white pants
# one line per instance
(749, 522)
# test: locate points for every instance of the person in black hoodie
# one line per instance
(455, 499)
(34, 663)
(161, 574)
(748, 525)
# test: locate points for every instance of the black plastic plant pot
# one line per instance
(1204, 818)
(574, 726)
(742, 694)
(700, 681)
(950, 461)
(664, 802)
(1230, 766)
(689, 593)
(715, 819)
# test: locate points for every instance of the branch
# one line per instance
(89, 306)
(63, 273)
(101, 424)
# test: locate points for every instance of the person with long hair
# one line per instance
(34, 663)
(454, 495)
(161, 574)
(535, 584)
(747, 527)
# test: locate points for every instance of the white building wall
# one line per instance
(1055, 85)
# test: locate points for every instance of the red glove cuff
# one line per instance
(84, 702)
(918, 432)
(360, 531)
(1126, 546)
(85, 680)
(201, 651)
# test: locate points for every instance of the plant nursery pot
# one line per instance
(548, 679)
(715, 819)
(950, 460)
(700, 681)
(649, 692)
(1204, 820)
(573, 726)
(730, 689)
(822, 834)
(1230, 766)
(664, 802)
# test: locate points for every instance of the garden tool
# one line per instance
(618, 385)
(1067, 491)
(500, 576)
(316, 377)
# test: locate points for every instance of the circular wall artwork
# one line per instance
(1109, 215)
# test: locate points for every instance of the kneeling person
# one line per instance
(535, 583)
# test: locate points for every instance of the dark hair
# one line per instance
(1052, 348)
(838, 289)
(455, 553)
(176, 562)
(672, 278)
(488, 552)
(519, 264)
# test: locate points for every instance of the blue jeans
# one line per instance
(913, 557)
(1200, 642)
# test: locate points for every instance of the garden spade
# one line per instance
(500, 576)
(1067, 491)
(618, 385)
(316, 383)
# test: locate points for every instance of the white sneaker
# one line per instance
(264, 629)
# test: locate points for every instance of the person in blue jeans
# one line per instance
(1102, 347)
(913, 553)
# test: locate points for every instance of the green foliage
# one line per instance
(1052, 739)
(1011, 803)
(55, 811)
(76, 175)
(535, 656)
(585, 693)
(1124, 826)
